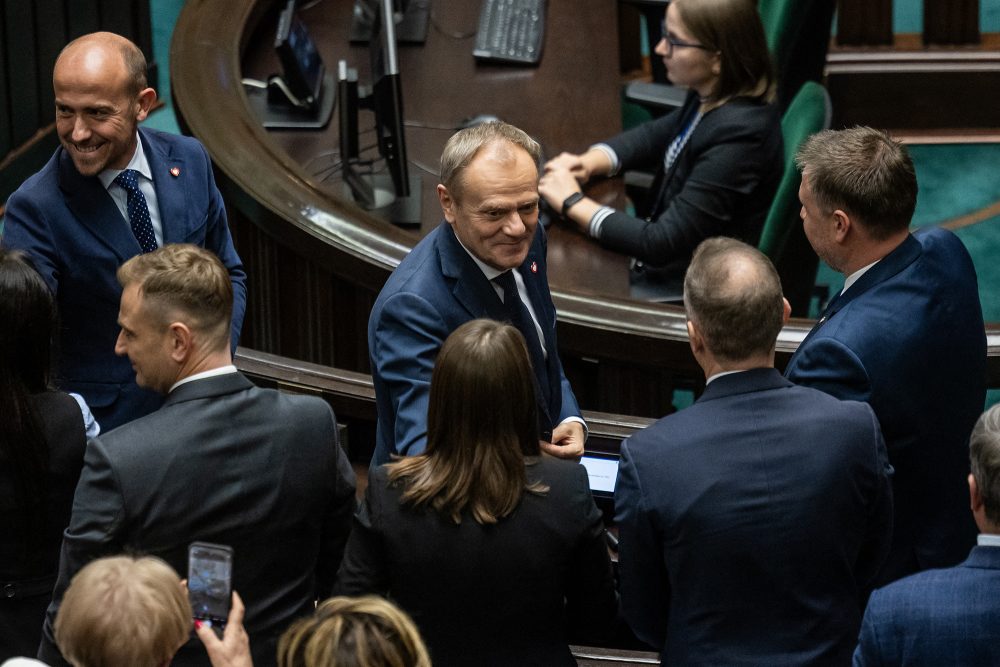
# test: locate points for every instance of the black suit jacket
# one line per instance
(26, 578)
(750, 524)
(222, 461)
(505, 594)
(721, 184)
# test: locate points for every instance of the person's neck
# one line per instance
(207, 362)
(872, 251)
(711, 365)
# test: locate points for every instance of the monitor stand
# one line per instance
(411, 28)
(290, 117)
(376, 193)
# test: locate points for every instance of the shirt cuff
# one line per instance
(579, 420)
(612, 157)
(596, 220)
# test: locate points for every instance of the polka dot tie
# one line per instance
(138, 211)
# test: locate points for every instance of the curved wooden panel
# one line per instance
(625, 356)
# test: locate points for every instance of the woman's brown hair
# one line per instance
(732, 28)
(482, 422)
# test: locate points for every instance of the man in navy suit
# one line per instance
(752, 522)
(905, 335)
(949, 616)
(78, 220)
(486, 260)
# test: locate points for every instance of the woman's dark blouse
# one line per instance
(504, 594)
(721, 184)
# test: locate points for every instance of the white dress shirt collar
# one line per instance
(214, 372)
(138, 162)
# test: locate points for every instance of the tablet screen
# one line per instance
(602, 472)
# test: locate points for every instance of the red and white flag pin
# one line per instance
(175, 171)
(534, 267)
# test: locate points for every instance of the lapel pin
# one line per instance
(534, 267)
(175, 171)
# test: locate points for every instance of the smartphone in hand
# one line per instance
(210, 581)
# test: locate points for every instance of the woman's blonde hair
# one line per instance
(123, 611)
(353, 632)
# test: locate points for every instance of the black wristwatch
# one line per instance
(570, 202)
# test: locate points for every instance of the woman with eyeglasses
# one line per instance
(718, 159)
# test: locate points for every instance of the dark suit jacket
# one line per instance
(28, 572)
(77, 238)
(502, 594)
(750, 524)
(908, 338)
(222, 461)
(433, 291)
(721, 184)
(941, 617)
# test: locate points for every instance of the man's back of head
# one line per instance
(984, 480)
(866, 173)
(733, 299)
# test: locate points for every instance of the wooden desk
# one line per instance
(316, 262)
(567, 102)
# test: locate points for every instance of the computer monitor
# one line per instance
(303, 95)
(300, 62)
(410, 16)
(391, 193)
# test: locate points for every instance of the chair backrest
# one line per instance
(782, 20)
(808, 113)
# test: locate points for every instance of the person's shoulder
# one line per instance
(41, 185)
(745, 116)
(417, 273)
(909, 592)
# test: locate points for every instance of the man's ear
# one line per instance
(145, 101)
(181, 341)
(786, 310)
(842, 225)
(448, 204)
(695, 337)
(975, 499)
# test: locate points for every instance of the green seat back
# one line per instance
(808, 113)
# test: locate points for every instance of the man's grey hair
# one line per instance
(984, 459)
(464, 145)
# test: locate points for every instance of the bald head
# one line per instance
(732, 293)
(99, 51)
(101, 96)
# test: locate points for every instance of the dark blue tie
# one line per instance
(138, 211)
(519, 316)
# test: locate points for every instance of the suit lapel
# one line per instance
(170, 189)
(531, 274)
(94, 209)
(905, 254)
(469, 286)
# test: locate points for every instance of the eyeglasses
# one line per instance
(674, 42)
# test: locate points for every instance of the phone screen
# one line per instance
(210, 571)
